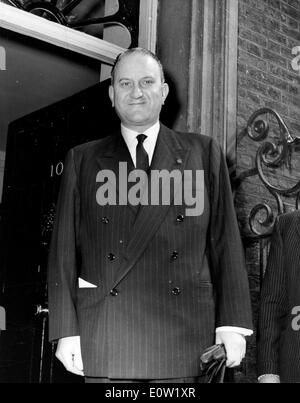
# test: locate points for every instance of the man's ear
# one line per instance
(111, 94)
(165, 91)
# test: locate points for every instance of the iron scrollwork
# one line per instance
(275, 152)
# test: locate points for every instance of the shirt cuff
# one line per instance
(272, 378)
(241, 330)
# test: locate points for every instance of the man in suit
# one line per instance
(278, 342)
(137, 292)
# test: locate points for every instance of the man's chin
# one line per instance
(138, 120)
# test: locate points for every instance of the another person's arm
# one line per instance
(273, 309)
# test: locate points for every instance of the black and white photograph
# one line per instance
(150, 194)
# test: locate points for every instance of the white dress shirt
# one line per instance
(149, 145)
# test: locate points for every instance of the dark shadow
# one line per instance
(36, 149)
(171, 108)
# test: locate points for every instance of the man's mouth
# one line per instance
(136, 103)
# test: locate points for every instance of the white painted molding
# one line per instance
(31, 25)
(196, 86)
(230, 77)
(219, 73)
(148, 24)
(207, 68)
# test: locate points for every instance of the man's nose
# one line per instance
(136, 91)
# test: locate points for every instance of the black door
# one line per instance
(35, 153)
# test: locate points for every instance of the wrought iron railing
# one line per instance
(277, 148)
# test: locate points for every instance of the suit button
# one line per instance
(111, 257)
(176, 291)
(105, 220)
(174, 255)
(180, 218)
(113, 292)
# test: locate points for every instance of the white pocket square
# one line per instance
(85, 284)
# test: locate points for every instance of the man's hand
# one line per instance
(69, 353)
(235, 346)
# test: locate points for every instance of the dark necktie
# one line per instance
(142, 159)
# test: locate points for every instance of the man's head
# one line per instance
(138, 90)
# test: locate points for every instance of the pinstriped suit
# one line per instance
(164, 306)
(278, 344)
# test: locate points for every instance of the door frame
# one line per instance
(39, 28)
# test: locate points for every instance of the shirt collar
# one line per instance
(149, 143)
(130, 135)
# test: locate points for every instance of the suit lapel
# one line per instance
(116, 151)
(168, 155)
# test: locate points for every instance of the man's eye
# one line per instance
(147, 83)
(125, 84)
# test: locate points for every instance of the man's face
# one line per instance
(138, 92)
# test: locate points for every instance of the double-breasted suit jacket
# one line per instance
(278, 346)
(165, 280)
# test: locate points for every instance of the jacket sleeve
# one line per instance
(62, 262)
(229, 275)
(273, 307)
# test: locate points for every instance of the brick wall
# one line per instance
(268, 30)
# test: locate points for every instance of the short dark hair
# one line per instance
(141, 51)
